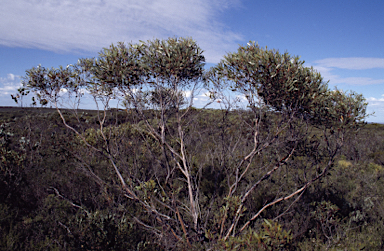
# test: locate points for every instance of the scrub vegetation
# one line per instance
(284, 164)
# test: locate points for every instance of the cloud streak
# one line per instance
(328, 66)
(376, 108)
(9, 85)
(353, 63)
(376, 101)
(89, 25)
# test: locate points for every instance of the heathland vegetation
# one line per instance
(295, 168)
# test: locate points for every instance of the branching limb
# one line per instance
(298, 191)
(245, 196)
(70, 202)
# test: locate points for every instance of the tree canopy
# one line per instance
(283, 83)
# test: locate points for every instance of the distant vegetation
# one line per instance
(296, 169)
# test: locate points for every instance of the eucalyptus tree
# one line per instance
(155, 74)
(160, 159)
(294, 115)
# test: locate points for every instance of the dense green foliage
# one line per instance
(262, 172)
(49, 201)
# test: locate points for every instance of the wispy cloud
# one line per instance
(327, 67)
(9, 85)
(376, 101)
(376, 108)
(89, 25)
(353, 63)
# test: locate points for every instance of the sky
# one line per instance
(343, 40)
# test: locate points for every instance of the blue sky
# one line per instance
(343, 40)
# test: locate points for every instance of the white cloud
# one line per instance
(187, 93)
(354, 80)
(376, 108)
(11, 77)
(375, 101)
(351, 63)
(328, 66)
(63, 91)
(378, 103)
(9, 84)
(89, 25)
